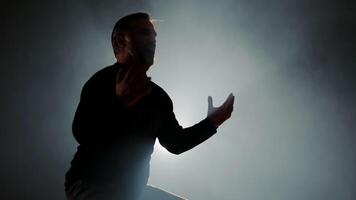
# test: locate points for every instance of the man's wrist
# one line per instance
(212, 122)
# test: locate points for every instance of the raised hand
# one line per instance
(217, 115)
(131, 86)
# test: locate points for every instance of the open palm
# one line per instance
(217, 115)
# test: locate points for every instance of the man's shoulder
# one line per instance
(105, 72)
(158, 89)
(161, 93)
(102, 79)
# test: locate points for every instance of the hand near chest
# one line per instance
(132, 85)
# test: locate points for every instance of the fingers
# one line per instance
(229, 102)
(140, 85)
(128, 75)
(210, 102)
(132, 85)
(137, 93)
(228, 106)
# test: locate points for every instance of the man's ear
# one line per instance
(122, 40)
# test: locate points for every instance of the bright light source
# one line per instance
(159, 150)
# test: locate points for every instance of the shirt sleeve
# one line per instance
(177, 139)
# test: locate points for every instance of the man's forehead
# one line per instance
(141, 23)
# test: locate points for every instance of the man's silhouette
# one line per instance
(121, 113)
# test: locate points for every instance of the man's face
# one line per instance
(141, 42)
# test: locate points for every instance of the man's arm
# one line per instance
(178, 140)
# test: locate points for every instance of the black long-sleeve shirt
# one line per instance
(116, 142)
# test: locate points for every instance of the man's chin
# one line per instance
(147, 63)
(147, 66)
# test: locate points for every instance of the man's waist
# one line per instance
(108, 172)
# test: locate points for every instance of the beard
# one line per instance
(143, 55)
(146, 57)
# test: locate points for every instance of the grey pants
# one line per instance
(86, 190)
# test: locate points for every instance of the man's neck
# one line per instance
(134, 65)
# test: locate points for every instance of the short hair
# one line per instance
(123, 24)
